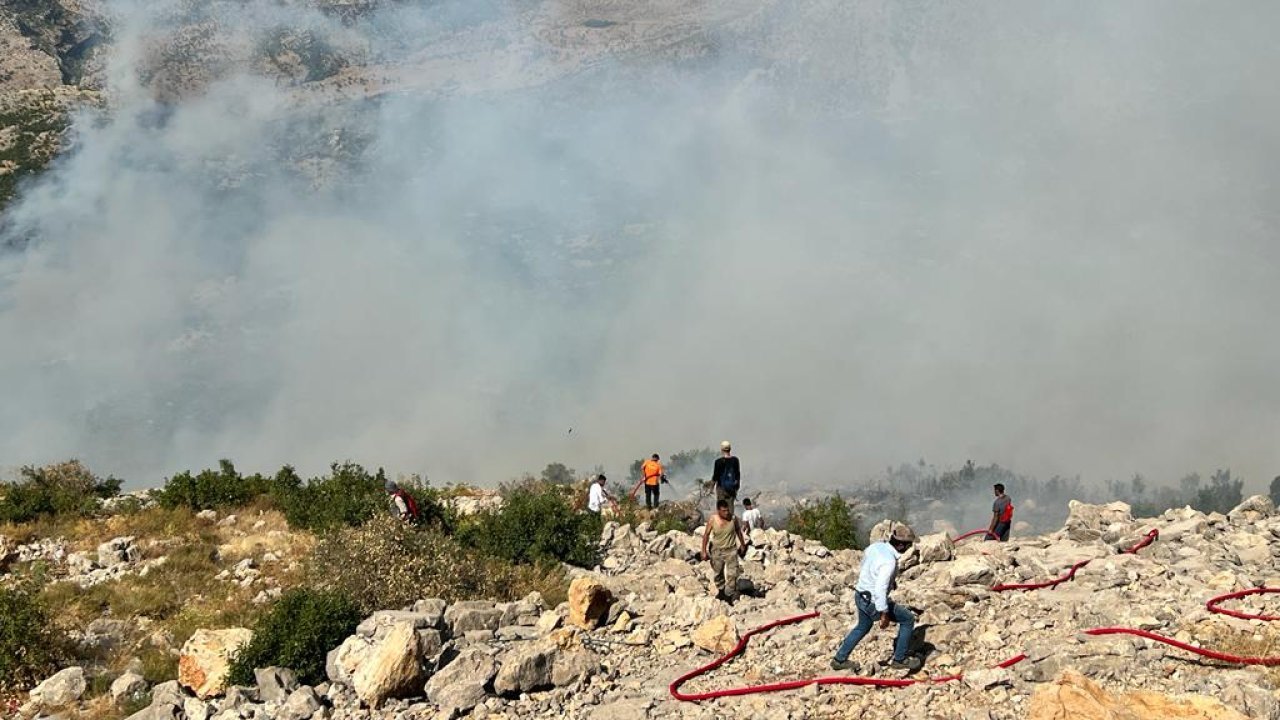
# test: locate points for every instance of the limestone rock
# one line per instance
(588, 602)
(527, 669)
(393, 669)
(206, 659)
(971, 570)
(468, 616)
(1254, 507)
(60, 689)
(275, 683)
(937, 547)
(376, 625)
(127, 686)
(718, 635)
(1074, 696)
(342, 662)
(1086, 523)
(570, 667)
(460, 685)
(301, 704)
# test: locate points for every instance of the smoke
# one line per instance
(841, 234)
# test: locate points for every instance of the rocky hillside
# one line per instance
(647, 615)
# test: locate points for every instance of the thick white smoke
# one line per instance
(842, 234)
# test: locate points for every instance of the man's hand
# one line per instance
(705, 556)
(742, 551)
(884, 620)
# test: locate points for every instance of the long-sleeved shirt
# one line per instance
(595, 498)
(879, 566)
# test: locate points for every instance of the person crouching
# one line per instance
(875, 580)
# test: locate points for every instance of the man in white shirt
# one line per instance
(875, 580)
(597, 497)
(751, 516)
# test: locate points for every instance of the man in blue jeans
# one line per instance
(875, 580)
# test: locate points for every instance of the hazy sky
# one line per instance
(842, 234)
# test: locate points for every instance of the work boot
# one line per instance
(842, 665)
(910, 664)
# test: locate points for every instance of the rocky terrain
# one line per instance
(647, 615)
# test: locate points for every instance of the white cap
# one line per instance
(724, 445)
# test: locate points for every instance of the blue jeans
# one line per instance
(867, 617)
(1001, 531)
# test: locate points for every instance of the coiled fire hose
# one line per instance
(1212, 606)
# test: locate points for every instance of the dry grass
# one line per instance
(1236, 639)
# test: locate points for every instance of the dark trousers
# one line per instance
(1001, 531)
(651, 495)
(722, 494)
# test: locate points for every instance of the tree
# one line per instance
(1222, 494)
(558, 474)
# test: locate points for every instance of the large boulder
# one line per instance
(527, 669)
(376, 625)
(464, 617)
(1255, 507)
(589, 602)
(460, 685)
(301, 704)
(206, 660)
(718, 635)
(393, 669)
(1087, 523)
(574, 665)
(342, 662)
(1074, 696)
(971, 570)
(60, 689)
(275, 683)
(937, 547)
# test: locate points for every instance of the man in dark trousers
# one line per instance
(727, 475)
(1001, 515)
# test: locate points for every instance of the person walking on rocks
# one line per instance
(652, 477)
(722, 545)
(1001, 515)
(871, 596)
(727, 475)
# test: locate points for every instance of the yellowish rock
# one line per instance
(1074, 697)
(393, 669)
(588, 602)
(206, 660)
(718, 635)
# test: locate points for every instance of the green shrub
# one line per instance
(213, 489)
(387, 564)
(61, 489)
(831, 521)
(346, 497)
(536, 523)
(30, 649)
(299, 630)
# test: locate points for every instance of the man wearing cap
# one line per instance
(875, 580)
(726, 476)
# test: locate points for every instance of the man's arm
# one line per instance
(706, 536)
(742, 541)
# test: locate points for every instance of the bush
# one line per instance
(299, 630)
(213, 489)
(349, 496)
(29, 649)
(66, 488)
(536, 523)
(831, 521)
(387, 564)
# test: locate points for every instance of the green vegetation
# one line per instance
(66, 489)
(831, 521)
(30, 649)
(301, 627)
(536, 523)
(214, 489)
(37, 129)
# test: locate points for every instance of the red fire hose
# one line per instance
(1071, 574)
(1211, 605)
(972, 533)
(796, 684)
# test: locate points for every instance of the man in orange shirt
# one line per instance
(651, 475)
